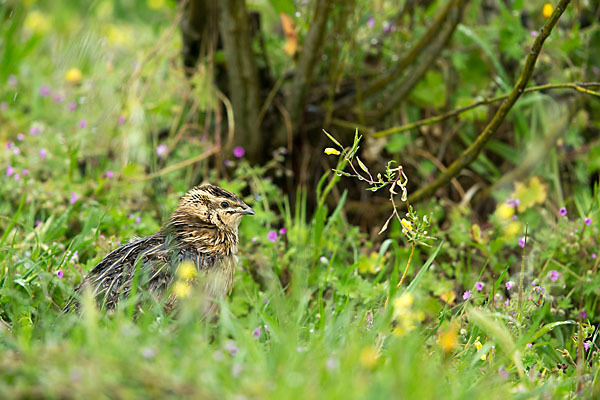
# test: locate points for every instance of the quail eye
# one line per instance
(225, 204)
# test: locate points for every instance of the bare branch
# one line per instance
(580, 87)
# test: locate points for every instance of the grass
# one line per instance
(316, 313)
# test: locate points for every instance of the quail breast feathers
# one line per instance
(202, 230)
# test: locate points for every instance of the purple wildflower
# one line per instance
(20, 137)
(266, 300)
(509, 285)
(109, 174)
(73, 198)
(587, 345)
(562, 212)
(254, 239)
(58, 98)
(38, 223)
(587, 221)
(60, 273)
(467, 295)
(121, 120)
(44, 91)
(371, 22)
(503, 373)
(522, 242)
(227, 163)
(479, 286)
(43, 153)
(72, 106)
(16, 150)
(231, 347)
(256, 333)
(533, 34)
(34, 130)
(594, 255)
(137, 220)
(239, 151)
(17, 177)
(25, 171)
(74, 257)
(82, 123)
(266, 326)
(272, 236)
(507, 302)
(583, 315)
(10, 170)
(282, 231)
(529, 345)
(554, 275)
(161, 150)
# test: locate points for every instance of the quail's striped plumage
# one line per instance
(203, 230)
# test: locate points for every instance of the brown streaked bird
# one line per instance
(203, 230)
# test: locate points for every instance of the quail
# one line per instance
(202, 230)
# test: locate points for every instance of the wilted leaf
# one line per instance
(291, 38)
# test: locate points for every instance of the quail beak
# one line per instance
(248, 211)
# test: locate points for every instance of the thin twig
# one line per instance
(580, 87)
(471, 153)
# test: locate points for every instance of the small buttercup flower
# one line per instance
(479, 286)
(467, 295)
(272, 236)
(239, 151)
(547, 10)
(73, 75)
(562, 211)
(554, 275)
(331, 151)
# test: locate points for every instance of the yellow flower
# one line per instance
(512, 229)
(186, 271)
(448, 296)
(181, 289)
(504, 211)
(73, 75)
(331, 151)
(403, 302)
(547, 10)
(448, 340)
(37, 22)
(478, 346)
(368, 357)
(406, 224)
